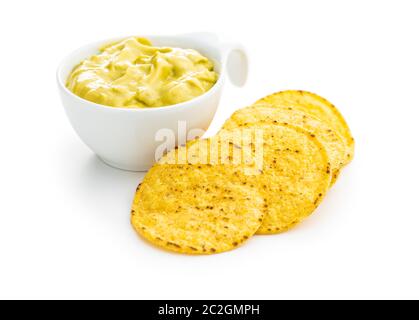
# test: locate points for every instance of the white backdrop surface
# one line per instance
(64, 215)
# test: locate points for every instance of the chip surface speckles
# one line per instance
(295, 176)
(259, 115)
(317, 106)
(197, 208)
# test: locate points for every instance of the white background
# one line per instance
(64, 215)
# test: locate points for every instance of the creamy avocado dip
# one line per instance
(133, 73)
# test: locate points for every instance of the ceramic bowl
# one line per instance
(130, 138)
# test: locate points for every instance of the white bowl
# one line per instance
(126, 138)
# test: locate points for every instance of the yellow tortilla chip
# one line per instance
(192, 203)
(316, 106)
(259, 115)
(295, 175)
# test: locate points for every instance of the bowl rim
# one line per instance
(173, 107)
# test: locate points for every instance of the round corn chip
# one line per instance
(332, 141)
(316, 106)
(294, 176)
(192, 203)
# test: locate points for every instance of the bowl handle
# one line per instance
(237, 63)
(234, 55)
